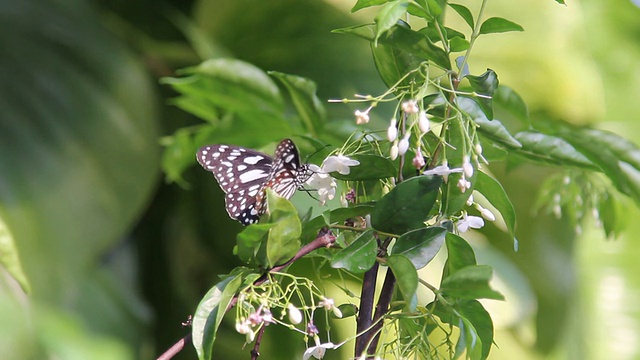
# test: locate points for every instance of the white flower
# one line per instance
(423, 122)
(442, 170)
(466, 166)
(392, 131)
(463, 184)
(470, 222)
(250, 336)
(403, 146)
(338, 163)
(318, 350)
(393, 152)
(410, 107)
(322, 182)
(295, 316)
(329, 305)
(362, 117)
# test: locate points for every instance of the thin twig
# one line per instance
(255, 352)
(365, 311)
(176, 348)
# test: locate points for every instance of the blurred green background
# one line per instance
(116, 258)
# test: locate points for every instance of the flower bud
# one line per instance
(467, 167)
(403, 146)
(423, 122)
(295, 316)
(418, 160)
(478, 149)
(393, 152)
(392, 131)
(470, 200)
(487, 214)
(362, 117)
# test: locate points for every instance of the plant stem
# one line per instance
(365, 311)
(381, 309)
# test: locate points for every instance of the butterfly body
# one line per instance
(244, 174)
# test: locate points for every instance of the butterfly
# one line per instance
(244, 175)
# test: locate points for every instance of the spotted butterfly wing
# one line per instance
(244, 174)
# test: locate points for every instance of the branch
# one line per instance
(365, 311)
(176, 348)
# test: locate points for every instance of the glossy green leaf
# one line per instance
(371, 167)
(420, 246)
(464, 13)
(406, 206)
(178, 155)
(10, 259)
(361, 4)
(406, 277)
(499, 25)
(511, 101)
(209, 315)
(418, 11)
(471, 282)
(459, 254)
(552, 150)
(472, 342)
(485, 84)
(359, 256)
(403, 38)
(494, 192)
(608, 213)
(283, 241)
(392, 63)
(305, 100)
(389, 15)
(338, 215)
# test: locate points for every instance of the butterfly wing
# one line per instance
(286, 175)
(241, 174)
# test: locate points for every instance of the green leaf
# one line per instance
(209, 314)
(303, 95)
(79, 161)
(457, 44)
(552, 150)
(469, 337)
(508, 99)
(608, 212)
(485, 84)
(359, 256)
(471, 282)
(283, 241)
(249, 241)
(494, 192)
(347, 310)
(459, 254)
(618, 158)
(493, 129)
(406, 277)
(499, 25)
(407, 206)
(481, 321)
(274, 240)
(10, 259)
(311, 228)
(361, 4)
(388, 17)
(464, 13)
(420, 246)
(392, 63)
(371, 167)
(177, 155)
(403, 38)
(239, 87)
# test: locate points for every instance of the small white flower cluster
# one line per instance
(323, 182)
(362, 117)
(400, 147)
(474, 222)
